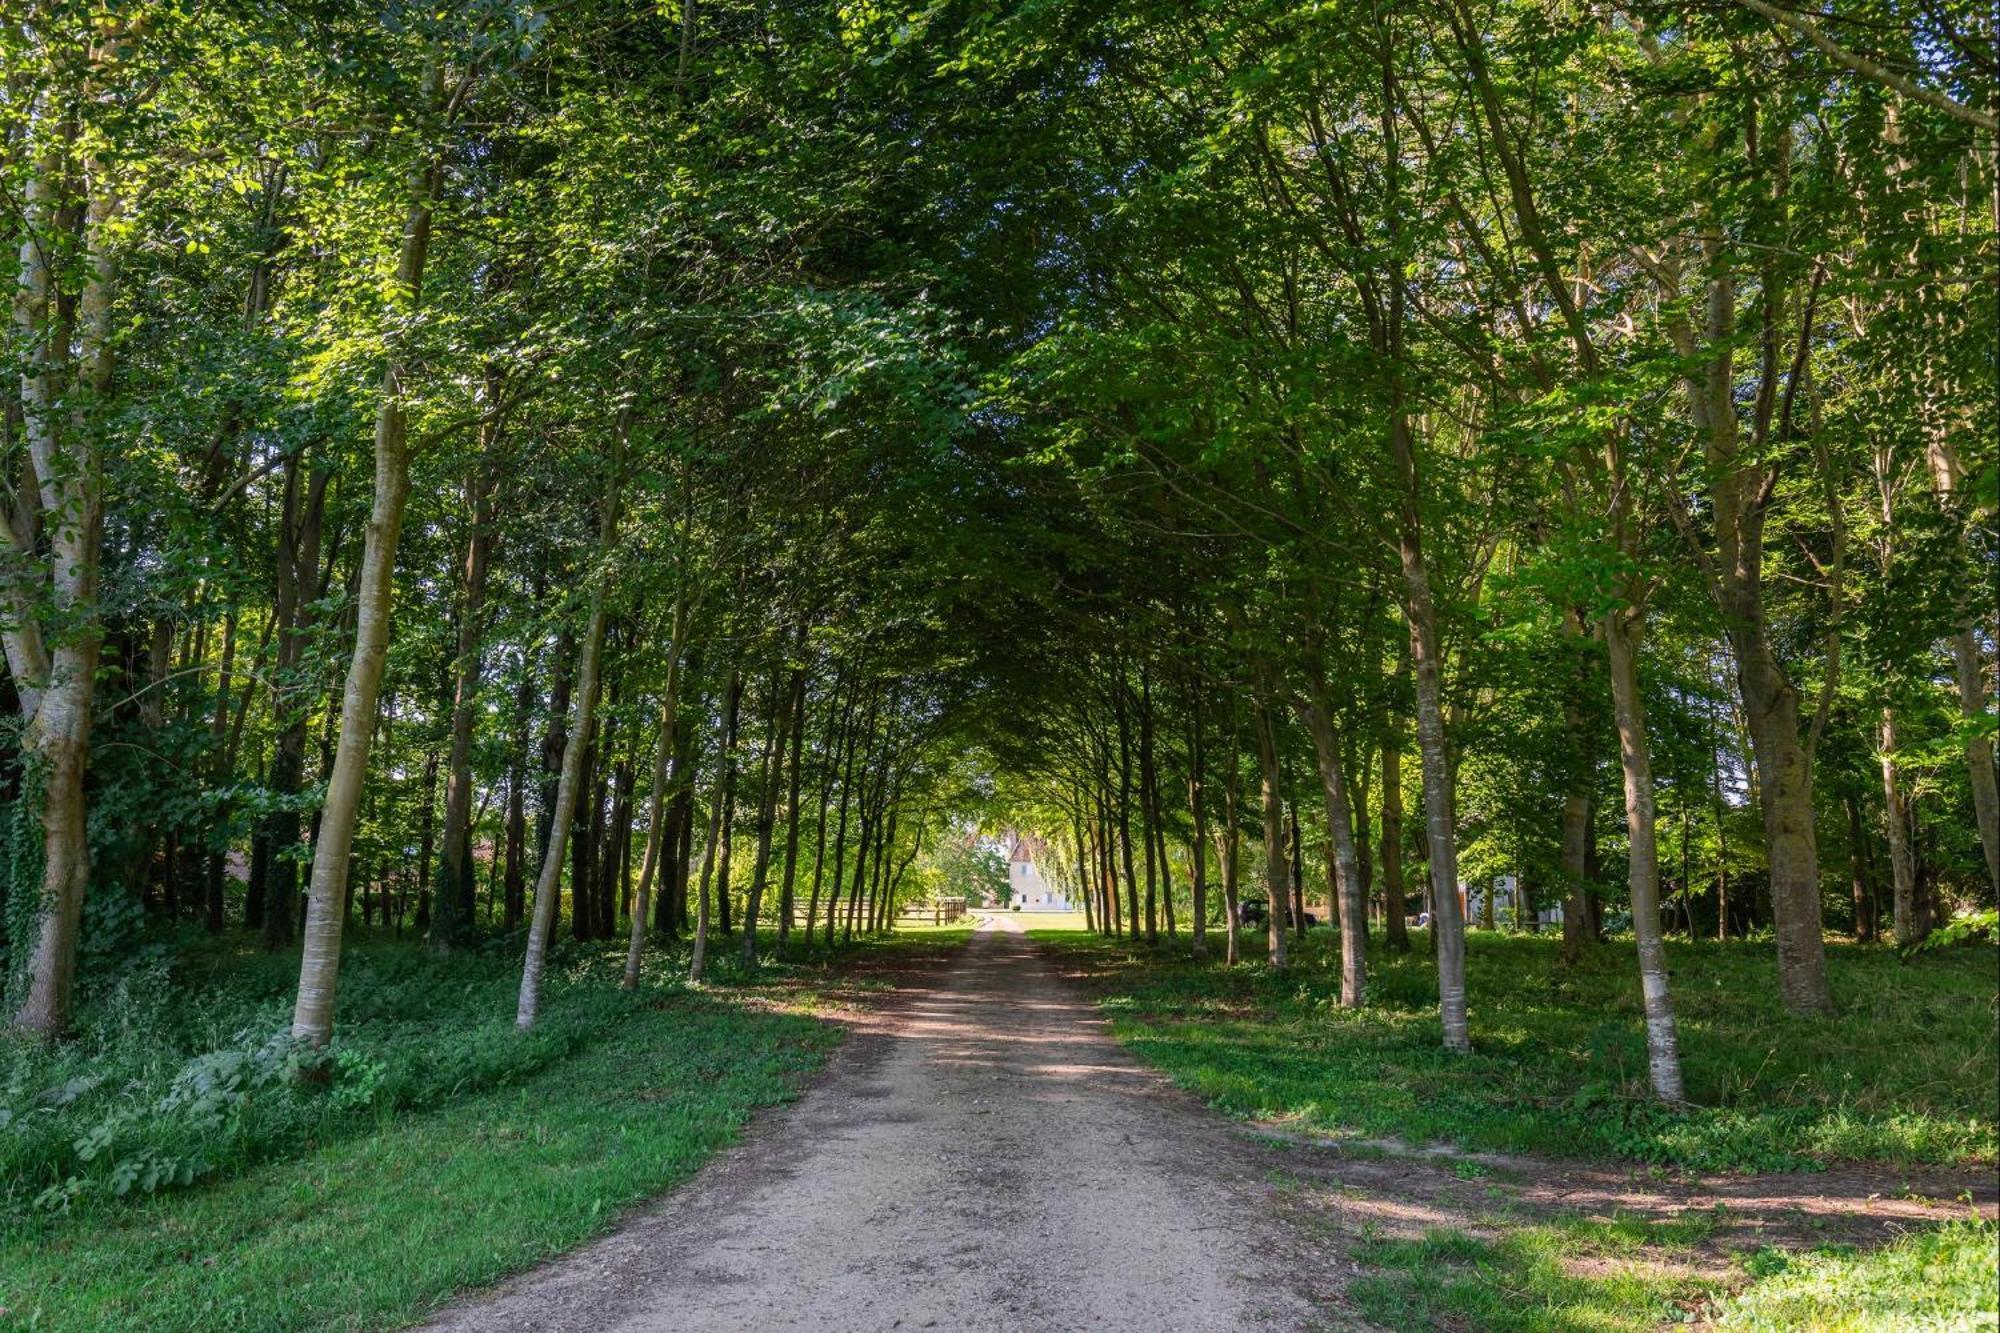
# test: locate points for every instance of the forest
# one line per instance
(558, 499)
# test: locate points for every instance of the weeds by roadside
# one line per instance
(1907, 1072)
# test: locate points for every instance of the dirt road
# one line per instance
(979, 1156)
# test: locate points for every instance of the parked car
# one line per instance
(1257, 911)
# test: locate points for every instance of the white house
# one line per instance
(1506, 902)
(1032, 893)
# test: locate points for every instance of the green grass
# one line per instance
(375, 1229)
(441, 1153)
(1624, 1275)
(1530, 1279)
(1905, 1072)
(1943, 1278)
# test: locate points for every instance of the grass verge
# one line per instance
(1936, 1279)
(375, 1229)
(1906, 1072)
(1528, 1279)
(1632, 1275)
(443, 1153)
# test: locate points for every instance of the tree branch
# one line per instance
(1869, 69)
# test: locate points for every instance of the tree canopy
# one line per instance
(487, 468)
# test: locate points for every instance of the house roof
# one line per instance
(1026, 847)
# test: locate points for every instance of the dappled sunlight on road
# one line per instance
(982, 1097)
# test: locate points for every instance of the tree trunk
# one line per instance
(834, 751)
(586, 823)
(258, 891)
(1149, 813)
(772, 770)
(1790, 841)
(883, 882)
(1394, 895)
(555, 741)
(1107, 852)
(1622, 629)
(319, 962)
(873, 811)
(1344, 865)
(1576, 799)
(426, 837)
(871, 906)
(1298, 869)
(840, 836)
(213, 894)
(1231, 849)
(789, 882)
(1276, 874)
(1125, 803)
(724, 774)
(56, 677)
(1440, 812)
(1447, 918)
(302, 516)
(569, 786)
(670, 904)
(1947, 477)
(600, 897)
(1739, 494)
(513, 885)
(1083, 875)
(656, 816)
(858, 889)
(1576, 912)
(1356, 776)
(728, 845)
(1896, 821)
(58, 744)
(1857, 873)
(665, 921)
(452, 912)
(1978, 750)
(1198, 844)
(673, 908)
(615, 868)
(1111, 900)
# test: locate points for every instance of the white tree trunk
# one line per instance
(66, 461)
(1622, 630)
(326, 907)
(698, 959)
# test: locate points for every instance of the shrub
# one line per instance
(182, 1070)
